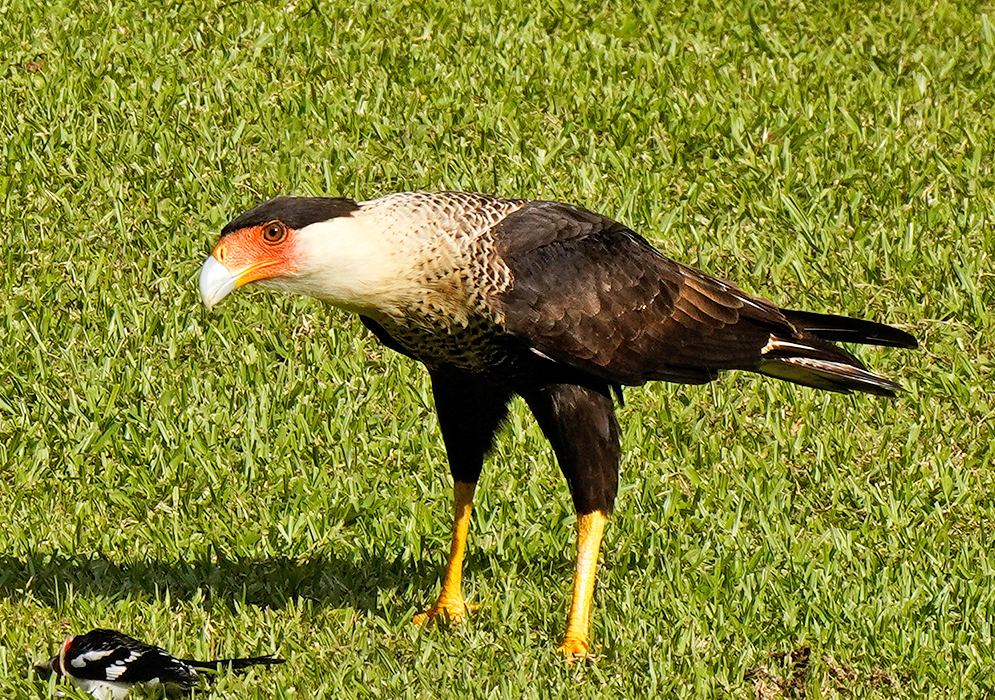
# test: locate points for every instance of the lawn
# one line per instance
(268, 479)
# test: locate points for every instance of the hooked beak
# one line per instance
(216, 281)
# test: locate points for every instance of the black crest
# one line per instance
(295, 212)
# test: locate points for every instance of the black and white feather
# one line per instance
(108, 665)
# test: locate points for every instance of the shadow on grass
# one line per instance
(354, 582)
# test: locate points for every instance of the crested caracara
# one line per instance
(549, 301)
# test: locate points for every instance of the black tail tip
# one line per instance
(900, 339)
(843, 329)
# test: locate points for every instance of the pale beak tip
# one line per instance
(215, 282)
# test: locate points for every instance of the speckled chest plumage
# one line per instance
(452, 319)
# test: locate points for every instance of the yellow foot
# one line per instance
(573, 648)
(453, 612)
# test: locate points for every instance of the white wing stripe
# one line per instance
(83, 659)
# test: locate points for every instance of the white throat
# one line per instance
(346, 262)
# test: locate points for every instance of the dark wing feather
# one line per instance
(588, 292)
(127, 660)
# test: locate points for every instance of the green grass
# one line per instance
(268, 479)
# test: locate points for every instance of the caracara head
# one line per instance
(310, 245)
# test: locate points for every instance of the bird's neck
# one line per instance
(353, 263)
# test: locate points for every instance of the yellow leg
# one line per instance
(590, 528)
(450, 604)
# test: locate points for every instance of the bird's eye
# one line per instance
(274, 232)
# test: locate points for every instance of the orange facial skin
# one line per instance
(257, 252)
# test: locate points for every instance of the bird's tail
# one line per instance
(235, 664)
(811, 358)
